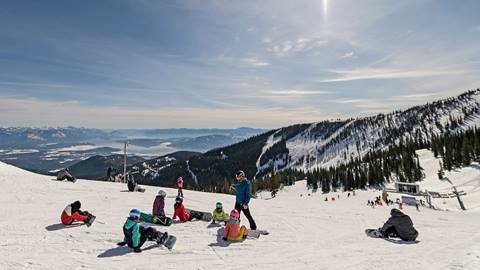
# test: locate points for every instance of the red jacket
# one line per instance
(68, 217)
(181, 213)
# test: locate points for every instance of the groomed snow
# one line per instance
(305, 231)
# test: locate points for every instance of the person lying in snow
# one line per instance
(181, 212)
(233, 232)
(73, 213)
(135, 235)
(399, 225)
(218, 214)
(65, 174)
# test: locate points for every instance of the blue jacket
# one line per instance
(131, 230)
(243, 191)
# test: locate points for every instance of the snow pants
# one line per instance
(239, 208)
(243, 233)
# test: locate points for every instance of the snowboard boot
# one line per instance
(161, 238)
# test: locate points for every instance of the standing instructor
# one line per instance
(243, 193)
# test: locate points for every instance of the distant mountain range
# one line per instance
(319, 145)
(49, 149)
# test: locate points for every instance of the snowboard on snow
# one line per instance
(257, 233)
(168, 242)
(205, 216)
(90, 220)
(164, 221)
(374, 233)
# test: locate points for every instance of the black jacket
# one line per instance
(402, 224)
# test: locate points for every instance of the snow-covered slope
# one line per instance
(305, 231)
(325, 144)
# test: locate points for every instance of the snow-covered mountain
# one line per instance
(328, 143)
(306, 232)
(49, 148)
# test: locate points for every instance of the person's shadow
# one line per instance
(120, 251)
(61, 226)
(220, 242)
(214, 225)
(401, 242)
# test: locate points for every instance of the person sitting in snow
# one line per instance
(73, 213)
(65, 174)
(135, 235)
(233, 232)
(399, 225)
(218, 214)
(132, 185)
(181, 212)
(159, 204)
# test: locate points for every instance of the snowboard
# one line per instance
(257, 233)
(374, 233)
(170, 241)
(90, 221)
(164, 221)
(205, 216)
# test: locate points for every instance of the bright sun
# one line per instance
(325, 7)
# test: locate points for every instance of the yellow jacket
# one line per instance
(219, 216)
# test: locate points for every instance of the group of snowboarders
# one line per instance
(136, 234)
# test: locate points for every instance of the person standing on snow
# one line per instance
(243, 194)
(180, 186)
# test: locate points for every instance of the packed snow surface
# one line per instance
(306, 232)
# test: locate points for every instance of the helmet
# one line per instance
(162, 193)
(240, 173)
(234, 215)
(76, 205)
(135, 214)
(179, 199)
(219, 205)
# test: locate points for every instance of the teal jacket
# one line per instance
(131, 231)
(243, 191)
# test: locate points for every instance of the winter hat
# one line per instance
(135, 214)
(219, 205)
(234, 215)
(76, 206)
(162, 193)
(240, 173)
(179, 199)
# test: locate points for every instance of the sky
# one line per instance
(226, 64)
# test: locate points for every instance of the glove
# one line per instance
(137, 250)
(224, 238)
(245, 206)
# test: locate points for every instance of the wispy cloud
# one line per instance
(386, 73)
(255, 62)
(297, 92)
(416, 97)
(347, 55)
(17, 112)
(303, 44)
(349, 101)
